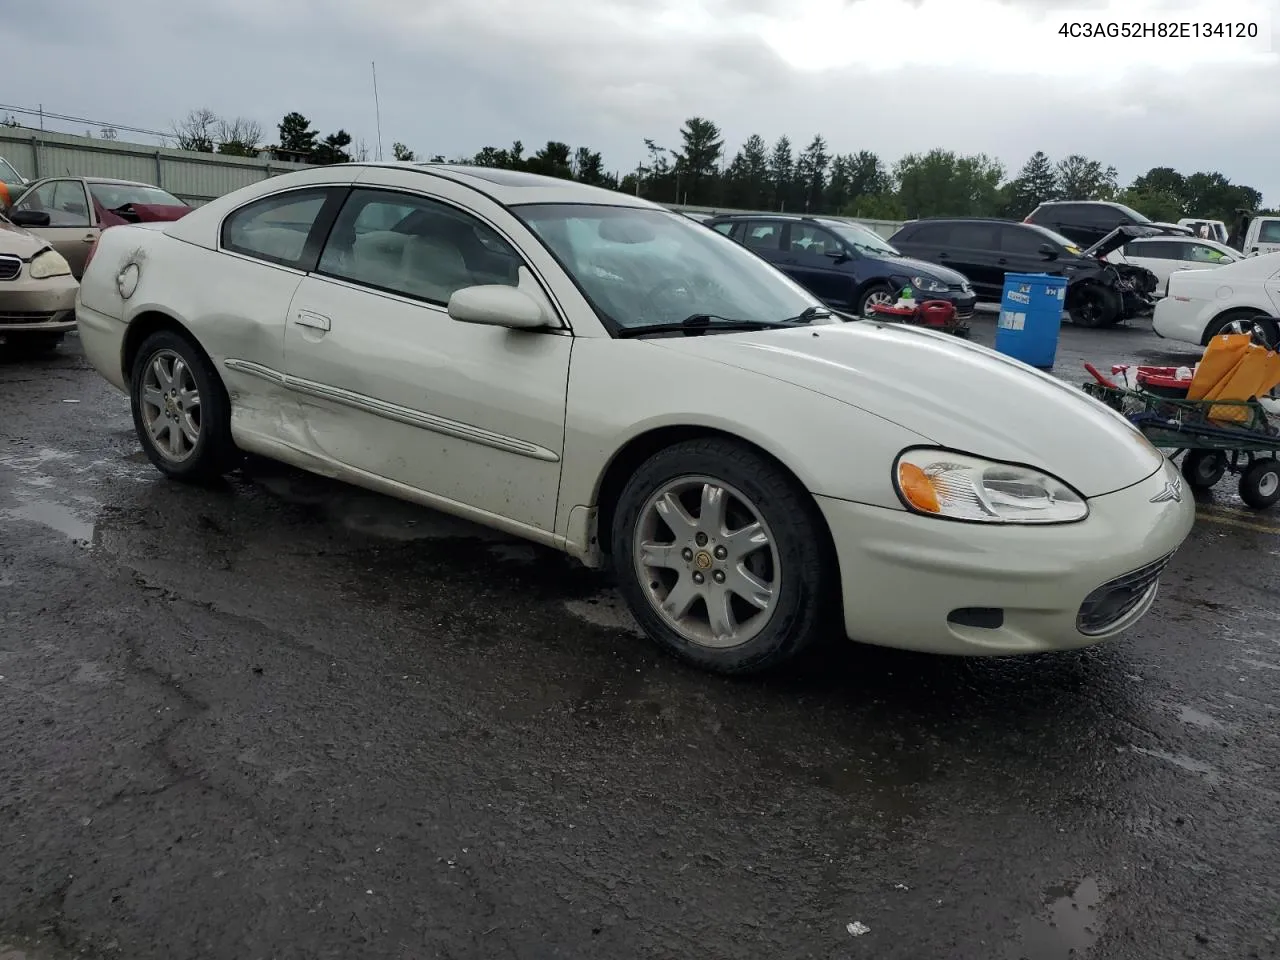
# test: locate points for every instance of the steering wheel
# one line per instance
(672, 294)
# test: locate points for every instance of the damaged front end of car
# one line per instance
(1106, 293)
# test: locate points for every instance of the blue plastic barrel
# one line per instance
(1031, 317)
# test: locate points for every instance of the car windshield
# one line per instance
(113, 196)
(1055, 237)
(7, 173)
(639, 266)
(863, 239)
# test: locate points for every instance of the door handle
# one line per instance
(90, 238)
(1002, 261)
(944, 256)
(306, 318)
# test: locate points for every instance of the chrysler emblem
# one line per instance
(1172, 492)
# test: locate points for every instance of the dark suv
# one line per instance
(1098, 293)
(846, 265)
(1088, 221)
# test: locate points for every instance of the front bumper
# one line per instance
(37, 306)
(919, 583)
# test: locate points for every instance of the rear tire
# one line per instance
(181, 411)
(723, 558)
(1260, 483)
(1270, 330)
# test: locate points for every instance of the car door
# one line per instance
(72, 226)
(1020, 252)
(765, 238)
(821, 263)
(393, 387)
(974, 251)
(1161, 257)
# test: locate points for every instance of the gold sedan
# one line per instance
(37, 290)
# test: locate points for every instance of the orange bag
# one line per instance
(1236, 369)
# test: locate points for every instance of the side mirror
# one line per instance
(29, 218)
(1048, 251)
(837, 256)
(497, 305)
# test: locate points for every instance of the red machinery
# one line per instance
(934, 314)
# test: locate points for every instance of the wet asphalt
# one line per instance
(285, 718)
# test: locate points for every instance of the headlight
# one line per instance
(48, 264)
(959, 487)
(928, 285)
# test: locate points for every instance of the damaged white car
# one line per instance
(605, 377)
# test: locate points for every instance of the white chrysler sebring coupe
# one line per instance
(595, 373)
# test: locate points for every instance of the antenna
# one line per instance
(376, 108)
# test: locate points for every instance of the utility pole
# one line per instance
(377, 109)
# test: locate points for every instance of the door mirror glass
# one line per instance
(497, 305)
(29, 218)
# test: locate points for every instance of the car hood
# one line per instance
(950, 392)
(909, 266)
(1118, 237)
(18, 242)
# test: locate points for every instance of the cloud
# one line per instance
(883, 75)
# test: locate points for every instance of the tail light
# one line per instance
(93, 248)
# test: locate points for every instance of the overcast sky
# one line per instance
(890, 76)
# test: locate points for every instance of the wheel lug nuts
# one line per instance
(718, 576)
(698, 577)
(721, 553)
(687, 554)
(701, 539)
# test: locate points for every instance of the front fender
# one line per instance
(620, 390)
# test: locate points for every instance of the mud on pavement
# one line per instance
(285, 718)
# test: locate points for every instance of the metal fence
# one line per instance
(194, 177)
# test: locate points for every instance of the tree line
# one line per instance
(699, 171)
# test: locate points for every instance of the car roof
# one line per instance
(793, 217)
(1100, 203)
(513, 187)
(1000, 220)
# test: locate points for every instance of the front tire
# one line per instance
(722, 557)
(181, 411)
(880, 293)
(1094, 306)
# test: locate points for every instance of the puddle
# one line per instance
(1070, 930)
(55, 517)
(1181, 761)
(1202, 720)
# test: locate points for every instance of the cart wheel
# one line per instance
(1204, 468)
(1260, 484)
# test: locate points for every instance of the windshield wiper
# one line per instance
(811, 313)
(699, 323)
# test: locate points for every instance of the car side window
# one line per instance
(808, 239)
(1020, 240)
(1155, 251)
(934, 234)
(1199, 253)
(725, 228)
(1269, 232)
(420, 248)
(275, 228)
(763, 235)
(973, 236)
(63, 200)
